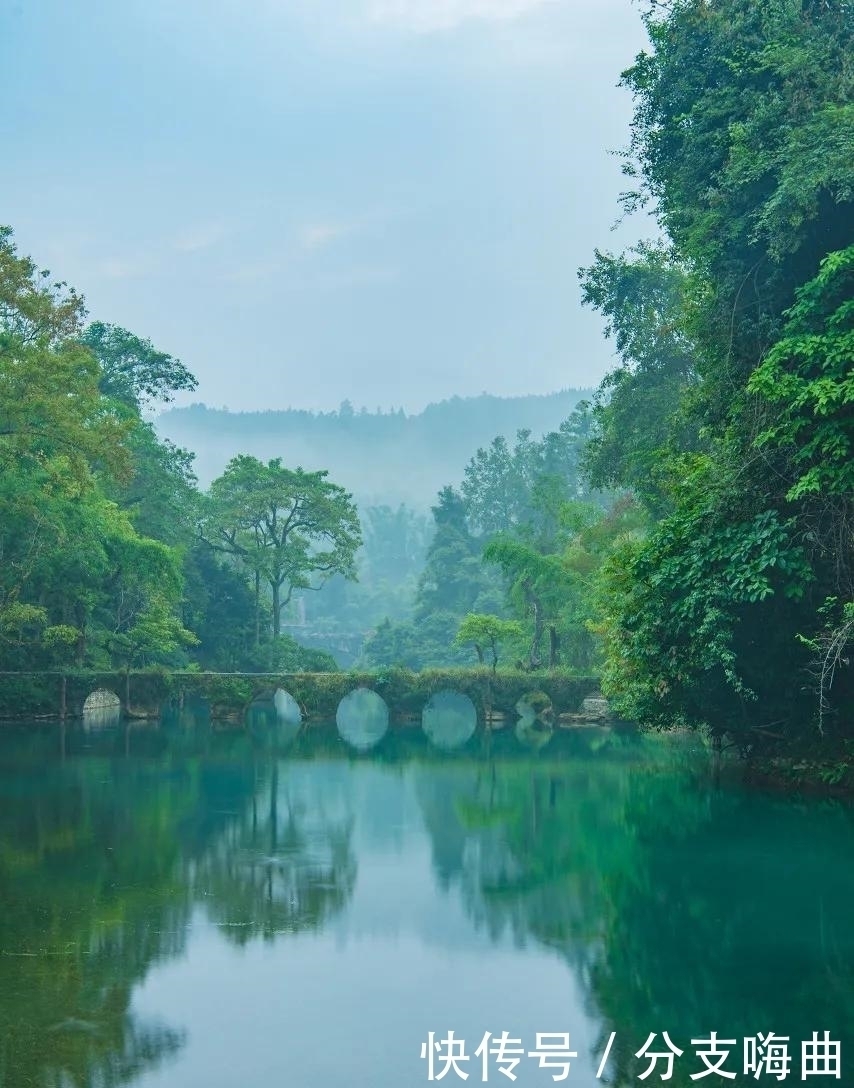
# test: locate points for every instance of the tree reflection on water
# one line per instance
(676, 905)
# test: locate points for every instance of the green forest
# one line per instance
(687, 532)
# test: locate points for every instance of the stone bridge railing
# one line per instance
(144, 694)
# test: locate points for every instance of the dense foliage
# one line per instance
(690, 532)
(512, 565)
(694, 525)
(102, 561)
(736, 337)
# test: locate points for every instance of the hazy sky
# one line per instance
(312, 200)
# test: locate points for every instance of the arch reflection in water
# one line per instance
(533, 732)
(362, 719)
(287, 708)
(449, 719)
(102, 710)
(274, 717)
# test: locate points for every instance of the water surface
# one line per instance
(187, 908)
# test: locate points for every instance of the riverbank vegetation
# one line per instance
(688, 533)
(735, 331)
(109, 554)
(701, 521)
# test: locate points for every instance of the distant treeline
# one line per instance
(381, 457)
(112, 556)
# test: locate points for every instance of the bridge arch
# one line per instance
(362, 719)
(102, 709)
(449, 719)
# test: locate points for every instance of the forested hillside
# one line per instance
(109, 554)
(383, 457)
(689, 531)
(720, 581)
(112, 554)
(732, 414)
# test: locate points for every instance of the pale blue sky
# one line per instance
(307, 200)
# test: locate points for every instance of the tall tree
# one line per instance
(505, 488)
(51, 411)
(78, 581)
(133, 371)
(289, 529)
(641, 408)
(453, 578)
(486, 632)
(742, 141)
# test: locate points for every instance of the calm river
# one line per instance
(188, 908)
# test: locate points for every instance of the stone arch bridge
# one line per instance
(144, 694)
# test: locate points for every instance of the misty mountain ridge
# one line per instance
(381, 457)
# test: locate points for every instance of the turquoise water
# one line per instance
(187, 908)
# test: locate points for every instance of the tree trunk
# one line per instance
(257, 608)
(534, 658)
(277, 610)
(479, 652)
(80, 644)
(554, 644)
